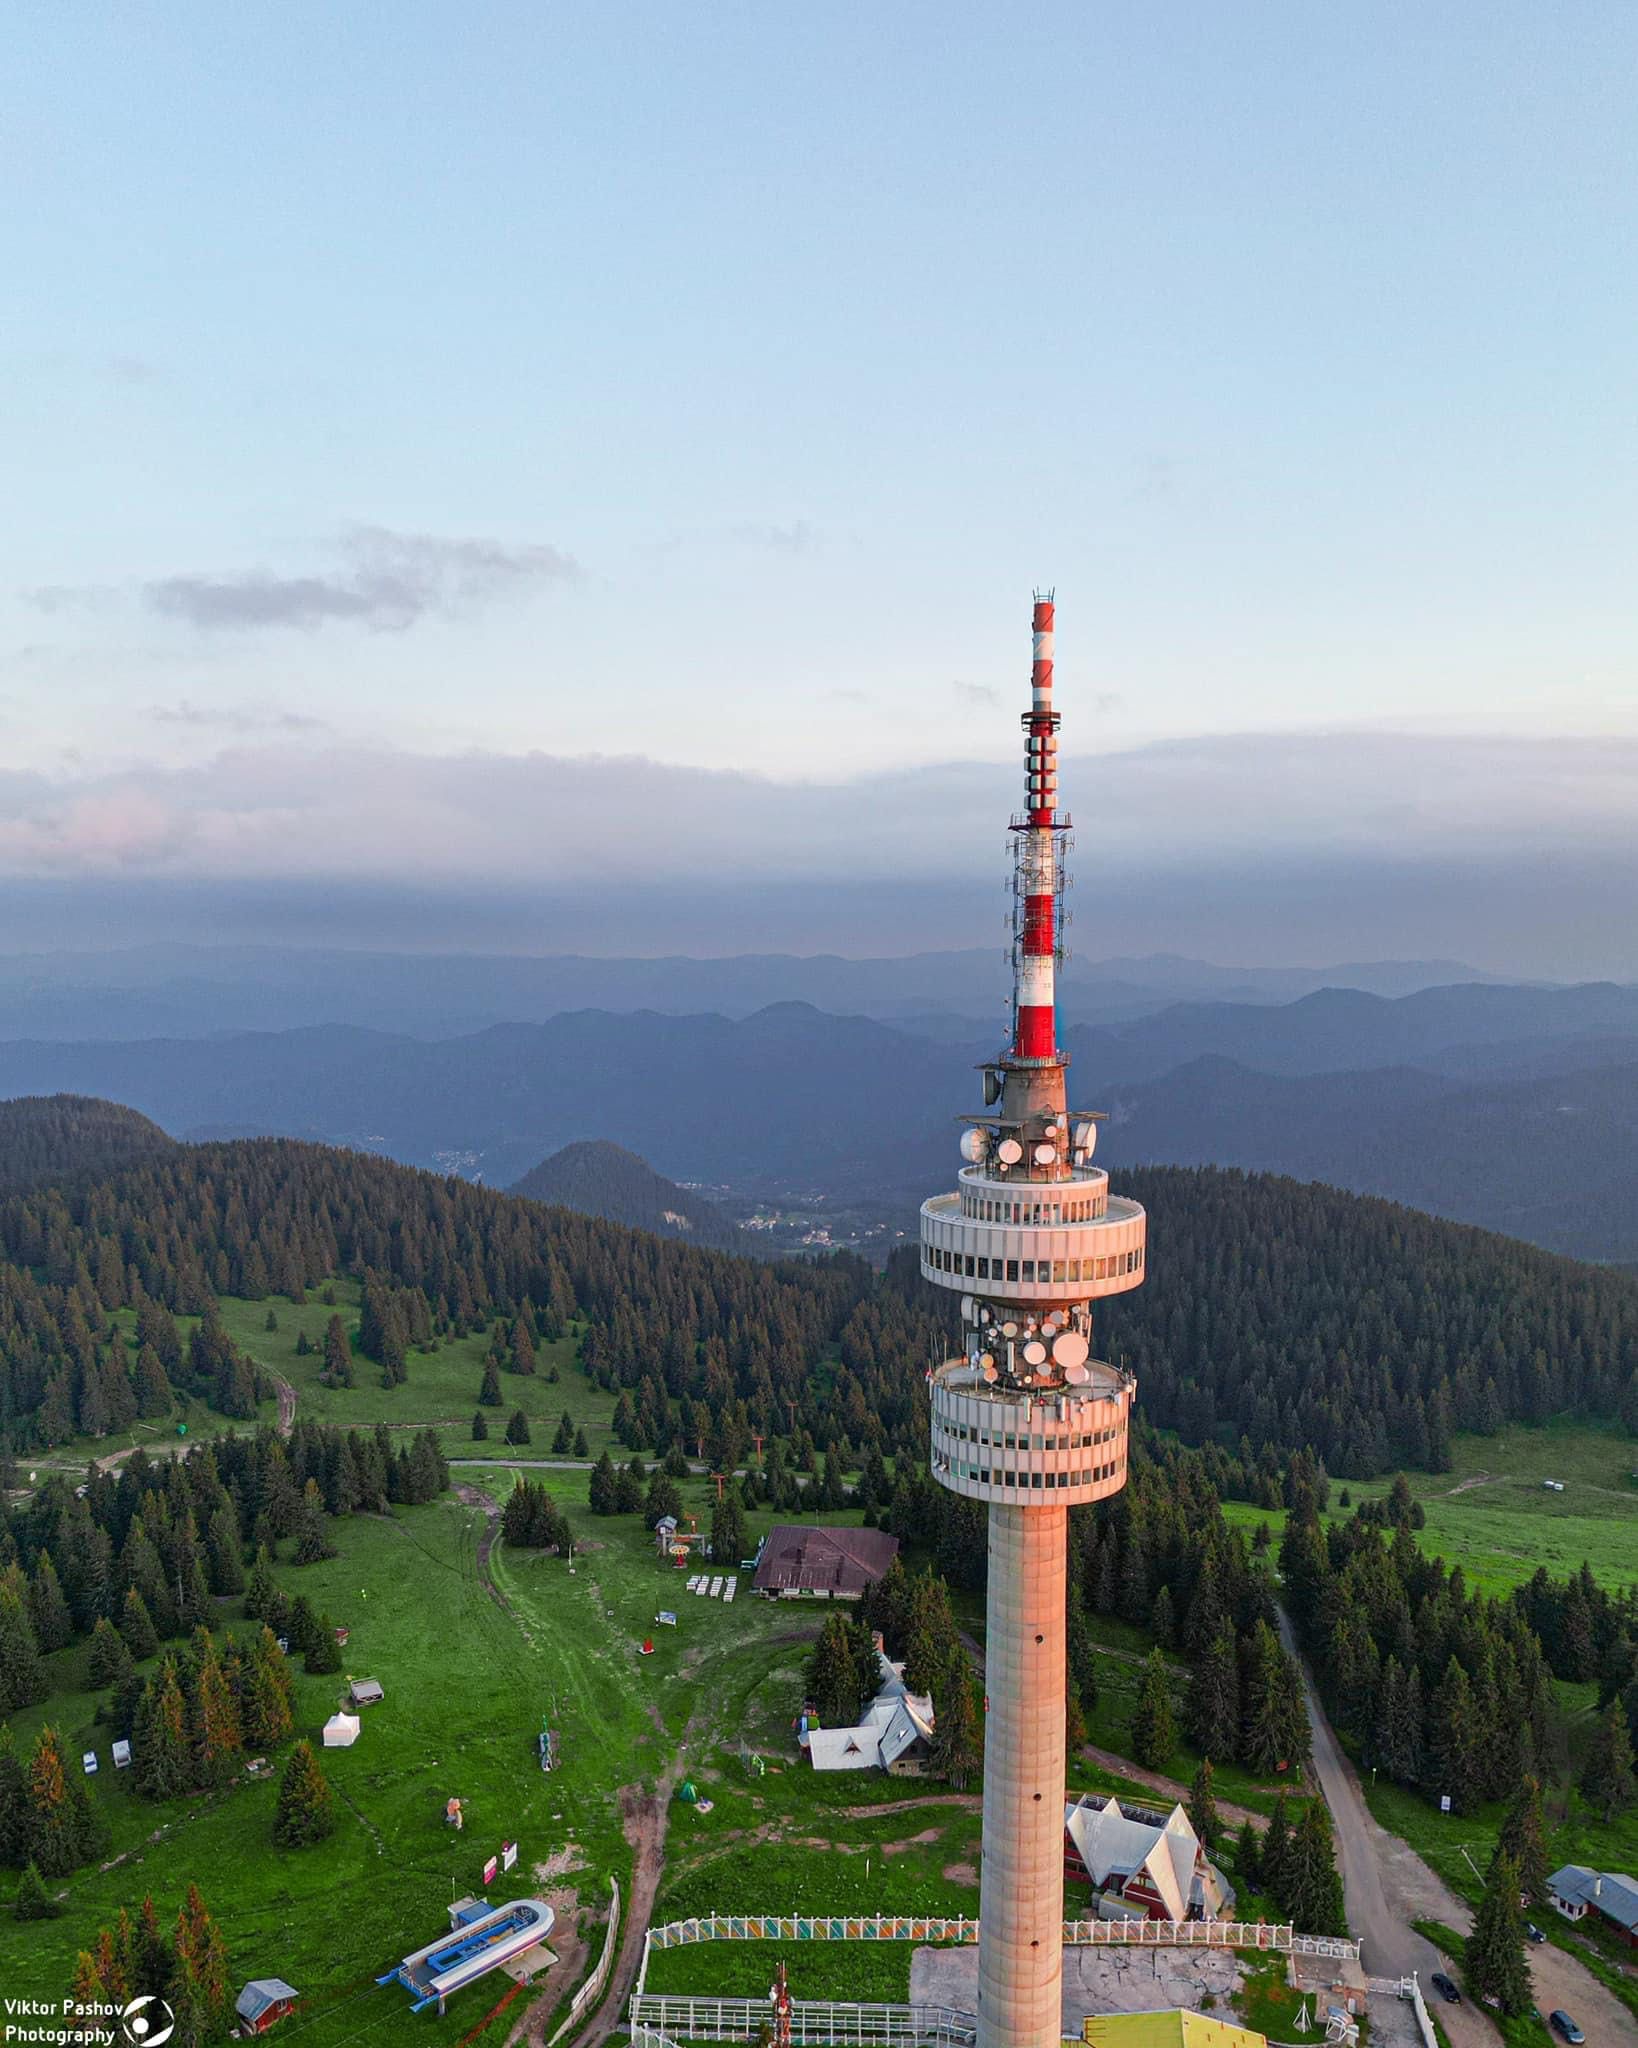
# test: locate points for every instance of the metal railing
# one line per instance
(592, 1989)
(963, 1929)
(814, 2021)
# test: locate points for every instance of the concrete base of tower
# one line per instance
(1021, 1899)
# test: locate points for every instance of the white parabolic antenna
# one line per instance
(1009, 1151)
(1045, 1154)
(1086, 1138)
(968, 1305)
(974, 1145)
(1070, 1349)
(1035, 1352)
(1076, 1375)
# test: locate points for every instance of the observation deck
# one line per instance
(1058, 1446)
(1024, 1241)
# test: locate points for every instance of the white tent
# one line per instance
(341, 1731)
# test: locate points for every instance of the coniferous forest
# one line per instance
(1276, 1315)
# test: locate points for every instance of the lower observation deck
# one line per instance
(1024, 1447)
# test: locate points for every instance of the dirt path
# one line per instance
(287, 1402)
(645, 1816)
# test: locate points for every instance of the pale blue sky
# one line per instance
(773, 353)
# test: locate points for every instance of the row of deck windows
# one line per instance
(1033, 1272)
(986, 1211)
(1028, 1480)
(963, 1434)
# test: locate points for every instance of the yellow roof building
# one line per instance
(1166, 2030)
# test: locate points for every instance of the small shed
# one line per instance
(341, 1731)
(122, 1755)
(264, 2002)
(365, 1692)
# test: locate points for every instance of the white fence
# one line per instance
(962, 1929)
(814, 2021)
(592, 1990)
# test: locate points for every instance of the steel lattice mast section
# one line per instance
(1025, 1418)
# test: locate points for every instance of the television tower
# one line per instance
(1025, 1418)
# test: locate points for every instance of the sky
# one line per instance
(598, 458)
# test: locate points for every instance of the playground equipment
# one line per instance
(479, 1940)
(546, 1741)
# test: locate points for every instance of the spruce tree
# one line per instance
(1203, 1814)
(312, 1543)
(306, 1812)
(728, 1537)
(1248, 1869)
(200, 1975)
(833, 1674)
(603, 1486)
(1275, 1852)
(563, 1441)
(480, 1428)
(1212, 1712)
(338, 1355)
(48, 1610)
(267, 1705)
(517, 1430)
(58, 1831)
(1607, 1775)
(958, 1741)
(162, 1765)
(1523, 1838)
(109, 1658)
(1311, 1888)
(13, 1801)
(323, 1650)
(582, 1449)
(1154, 1726)
(22, 1681)
(34, 1902)
(1493, 1956)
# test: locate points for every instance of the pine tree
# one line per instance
(1493, 1956)
(728, 1537)
(306, 1812)
(48, 1610)
(214, 1720)
(523, 1350)
(267, 1705)
(582, 1449)
(517, 1430)
(1162, 1620)
(563, 1441)
(1607, 1775)
(1154, 1726)
(1203, 1814)
(480, 1428)
(34, 1902)
(1453, 1738)
(323, 1650)
(603, 1486)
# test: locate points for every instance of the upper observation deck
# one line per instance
(1034, 1241)
(1015, 1445)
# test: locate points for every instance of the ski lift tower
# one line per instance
(1024, 1418)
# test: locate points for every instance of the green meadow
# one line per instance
(1493, 1516)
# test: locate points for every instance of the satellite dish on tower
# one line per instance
(1045, 1154)
(1035, 1352)
(968, 1309)
(1076, 1375)
(1086, 1137)
(992, 1087)
(974, 1145)
(1009, 1151)
(1070, 1349)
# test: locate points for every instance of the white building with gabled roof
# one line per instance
(1152, 1863)
(895, 1732)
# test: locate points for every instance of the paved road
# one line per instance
(1392, 1947)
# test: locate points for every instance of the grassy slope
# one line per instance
(1500, 1530)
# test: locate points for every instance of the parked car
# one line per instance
(1563, 2024)
(1533, 1931)
(1446, 1989)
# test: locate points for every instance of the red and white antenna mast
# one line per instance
(1037, 863)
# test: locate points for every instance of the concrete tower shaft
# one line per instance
(1025, 1418)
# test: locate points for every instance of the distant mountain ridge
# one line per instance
(600, 1178)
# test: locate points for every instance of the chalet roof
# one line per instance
(813, 1560)
(1610, 1892)
(1113, 1843)
(259, 1994)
